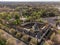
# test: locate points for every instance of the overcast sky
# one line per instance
(32, 0)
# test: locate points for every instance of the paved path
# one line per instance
(51, 19)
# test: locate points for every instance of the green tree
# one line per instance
(2, 42)
(19, 35)
(33, 41)
(16, 16)
(16, 22)
(11, 41)
(25, 38)
(13, 31)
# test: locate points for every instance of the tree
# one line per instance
(11, 41)
(13, 31)
(17, 8)
(25, 38)
(48, 42)
(8, 17)
(19, 35)
(33, 41)
(56, 39)
(16, 16)
(16, 22)
(2, 42)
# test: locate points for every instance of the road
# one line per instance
(50, 20)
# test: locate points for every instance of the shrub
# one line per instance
(56, 39)
(58, 31)
(7, 29)
(52, 36)
(11, 41)
(33, 41)
(2, 39)
(19, 35)
(13, 31)
(25, 38)
(2, 42)
(1, 26)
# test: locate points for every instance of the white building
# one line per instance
(58, 26)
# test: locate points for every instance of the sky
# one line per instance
(32, 0)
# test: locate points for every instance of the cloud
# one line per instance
(32, 0)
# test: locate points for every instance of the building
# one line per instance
(58, 25)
